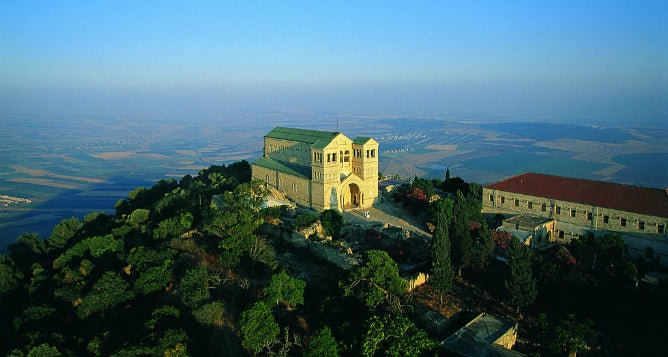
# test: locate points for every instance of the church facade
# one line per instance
(320, 169)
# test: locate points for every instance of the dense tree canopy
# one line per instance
(376, 281)
(259, 330)
(286, 290)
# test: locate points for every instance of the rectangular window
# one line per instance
(367, 154)
(530, 205)
(573, 213)
(294, 186)
(334, 157)
(606, 219)
(659, 228)
(517, 202)
(589, 216)
(641, 225)
(503, 199)
(329, 157)
(491, 198)
(622, 222)
(373, 152)
(543, 207)
(561, 234)
(558, 210)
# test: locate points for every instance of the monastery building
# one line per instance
(320, 169)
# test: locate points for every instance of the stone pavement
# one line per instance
(382, 217)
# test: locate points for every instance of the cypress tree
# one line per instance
(460, 235)
(441, 266)
(520, 285)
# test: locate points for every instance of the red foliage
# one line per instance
(473, 225)
(564, 256)
(416, 194)
(502, 239)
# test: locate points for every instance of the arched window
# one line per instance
(346, 156)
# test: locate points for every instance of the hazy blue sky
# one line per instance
(557, 60)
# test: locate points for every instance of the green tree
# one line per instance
(138, 217)
(153, 279)
(44, 350)
(212, 314)
(108, 292)
(194, 287)
(323, 344)
(520, 285)
(565, 335)
(28, 249)
(395, 336)
(483, 247)
(168, 228)
(234, 223)
(460, 234)
(332, 223)
(62, 233)
(286, 290)
(610, 249)
(441, 266)
(376, 281)
(9, 275)
(259, 330)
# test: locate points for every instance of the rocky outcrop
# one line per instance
(313, 239)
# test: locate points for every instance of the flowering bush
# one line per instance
(502, 239)
(564, 256)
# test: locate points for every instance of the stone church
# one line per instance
(320, 169)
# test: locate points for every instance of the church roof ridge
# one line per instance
(303, 135)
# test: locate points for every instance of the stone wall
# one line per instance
(295, 188)
(417, 280)
(587, 216)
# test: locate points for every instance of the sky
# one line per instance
(571, 61)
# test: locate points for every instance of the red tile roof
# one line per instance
(649, 201)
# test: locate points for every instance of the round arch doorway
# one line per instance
(355, 195)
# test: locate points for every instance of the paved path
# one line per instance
(376, 215)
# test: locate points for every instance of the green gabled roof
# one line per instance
(360, 140)
(284, 167)
(322, 138)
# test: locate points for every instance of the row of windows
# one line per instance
(543, 206)
(280, 183)
(343, 156)
(660, 228)
(332, 157)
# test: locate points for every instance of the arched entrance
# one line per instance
(355, 196)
